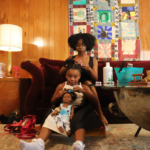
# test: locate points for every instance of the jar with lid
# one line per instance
(2, 70)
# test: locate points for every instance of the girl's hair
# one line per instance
(88, 39)
(69, 63)
(73, 95)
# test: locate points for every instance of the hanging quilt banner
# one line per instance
(114, 23)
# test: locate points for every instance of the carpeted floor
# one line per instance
(120, 137)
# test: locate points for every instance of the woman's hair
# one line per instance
(69, 63)
(73, 95)
(88, 40)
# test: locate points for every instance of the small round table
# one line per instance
(134, 102)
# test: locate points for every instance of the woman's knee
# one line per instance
(87, 82)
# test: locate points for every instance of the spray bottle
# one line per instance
(17, 71)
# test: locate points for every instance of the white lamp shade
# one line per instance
(10, 37)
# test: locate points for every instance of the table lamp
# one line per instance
(11, 41)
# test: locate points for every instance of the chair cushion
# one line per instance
(47, 93)
(52, 75)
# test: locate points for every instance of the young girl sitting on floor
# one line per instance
(84, 117)
(65, 112)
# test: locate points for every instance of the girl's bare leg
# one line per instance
(98, 107)
(79, 135)
(79, 139)
(44, 133)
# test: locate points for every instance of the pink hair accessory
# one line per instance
(80, 62)
(66, 65)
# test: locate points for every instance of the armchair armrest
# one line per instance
(38, 81)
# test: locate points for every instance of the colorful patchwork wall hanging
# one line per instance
(114, 23)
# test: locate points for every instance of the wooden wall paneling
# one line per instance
(147, 25)
(59, 30)
(4, 12)
(23, 55)
(144, 24)
(38, 30)
(66, 14)
(46, 29)
(52, 30)
(31, 33)
(47, 22)
(14, 18)
(64, 20)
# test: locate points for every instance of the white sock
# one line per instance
(36, 144)
(78, 145)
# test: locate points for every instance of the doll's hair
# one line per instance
(71, 65)
(88, 39)
(73, 95)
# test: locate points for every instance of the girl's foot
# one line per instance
(37, 144)
(61, 129)
(78, 145)
(104, 120)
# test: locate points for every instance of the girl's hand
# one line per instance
(77, 89)
(61, 92)
(54, 113)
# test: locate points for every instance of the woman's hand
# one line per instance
(86, 67)
(77, 61)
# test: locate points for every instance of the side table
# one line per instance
(134, 102)
(12, 95)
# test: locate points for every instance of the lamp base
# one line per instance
(9, 64)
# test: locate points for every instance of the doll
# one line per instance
(65, 112)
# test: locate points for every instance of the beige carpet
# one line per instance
(120, 137)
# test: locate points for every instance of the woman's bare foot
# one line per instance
(68, 132)
(61, 129)
(104, 120)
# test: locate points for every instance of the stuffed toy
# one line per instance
(147, 78)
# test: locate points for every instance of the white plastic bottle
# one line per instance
(107, 74)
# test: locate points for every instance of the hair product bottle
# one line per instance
(107, 74)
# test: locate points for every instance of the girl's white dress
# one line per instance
(50, 121)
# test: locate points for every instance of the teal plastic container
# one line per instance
(125, 75)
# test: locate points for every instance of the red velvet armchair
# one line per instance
(45, 79)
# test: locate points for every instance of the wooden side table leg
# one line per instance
(137, 132)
